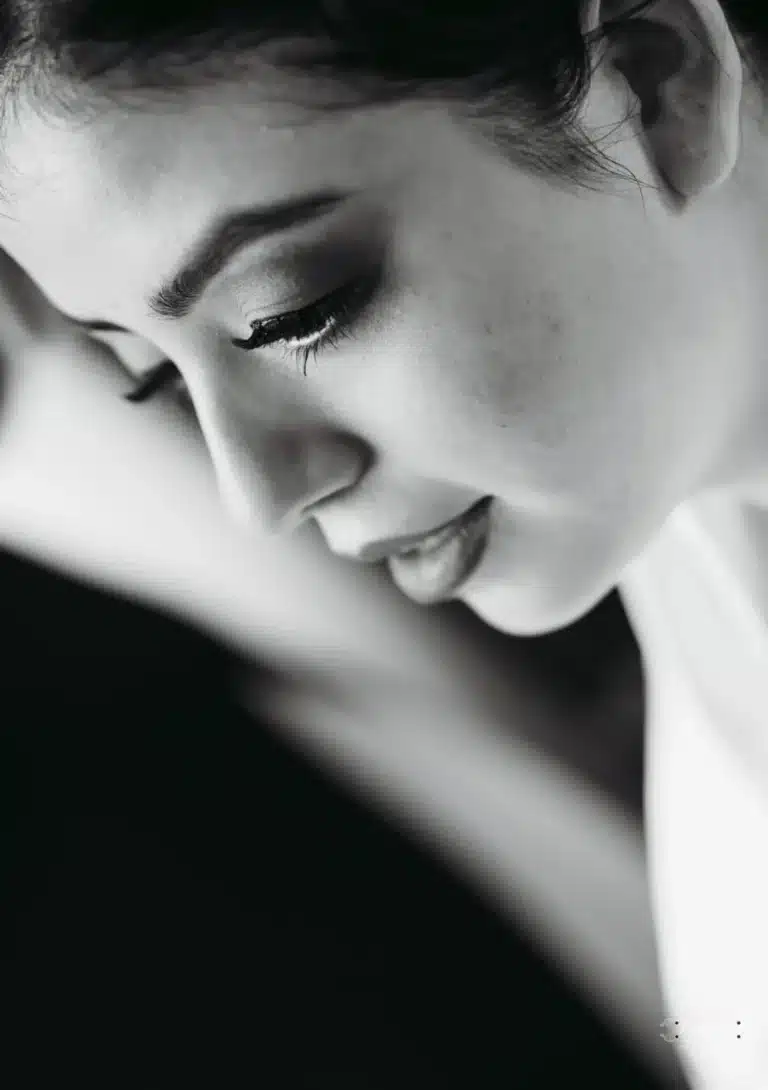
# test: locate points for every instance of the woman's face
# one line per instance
(570, 353)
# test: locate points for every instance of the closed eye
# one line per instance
(159, 377)
(152, 371)
(304, 332)
(322, 324)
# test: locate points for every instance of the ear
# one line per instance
(681, 60)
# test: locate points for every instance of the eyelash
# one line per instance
(329, 320)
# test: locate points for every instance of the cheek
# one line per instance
(522, 368)
(520, 342)
(474, 377)
(560, 424)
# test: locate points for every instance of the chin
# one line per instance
(518, 611)
(539, 575)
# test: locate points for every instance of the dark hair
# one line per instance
(520, 68)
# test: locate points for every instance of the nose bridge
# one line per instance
(270, 474)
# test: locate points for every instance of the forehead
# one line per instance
(130, 190)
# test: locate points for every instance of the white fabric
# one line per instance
(705, 651)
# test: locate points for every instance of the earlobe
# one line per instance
(680, 59)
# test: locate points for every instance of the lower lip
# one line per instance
(436, 576)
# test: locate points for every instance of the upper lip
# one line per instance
(378, 550)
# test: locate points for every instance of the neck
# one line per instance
(733, 500)
(740, 466)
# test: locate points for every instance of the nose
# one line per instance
(273, 479)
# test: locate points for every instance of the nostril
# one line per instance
(334, 464)
(331, 466)
(276, 481)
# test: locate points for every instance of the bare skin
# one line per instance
(589, 359)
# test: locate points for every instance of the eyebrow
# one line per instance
(221, 242)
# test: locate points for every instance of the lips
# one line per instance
(445, 559)
(382, 550)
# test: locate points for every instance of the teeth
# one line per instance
(439, 537)
(430, 542)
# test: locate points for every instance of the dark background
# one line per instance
(185, 900)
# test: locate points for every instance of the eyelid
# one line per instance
(137, 355)
(291, 305)
(311, 270)
(292, 308)
(279, 327)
